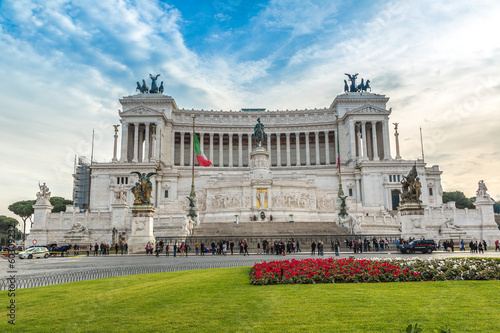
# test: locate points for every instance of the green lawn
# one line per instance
(222, 300)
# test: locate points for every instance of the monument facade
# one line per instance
(290, 170)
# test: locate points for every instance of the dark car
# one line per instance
(422, 245)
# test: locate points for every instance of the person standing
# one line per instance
(96, 249)
(167, 250)
(298, 247)
(224, 249)
(175, 249)
(231, 246)
(245, 248)
(197, 247)
(258, 248)
(126, 248)
(202, 248)
(336, 248)
(89, 247)
(116, 249)
(313, 248)
(497, 246)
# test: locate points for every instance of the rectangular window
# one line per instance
(118, 180)
(166, 193)
(350, 192)
(390, 178)
(126, 180)
(430, 191)
(399, 179)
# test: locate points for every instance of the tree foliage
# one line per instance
(59, 204)
(496, 207)
(5, 221)
(460, 199)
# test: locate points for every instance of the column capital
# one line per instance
(288, 134)
(211, 135)
(297, 133)
(136, 124)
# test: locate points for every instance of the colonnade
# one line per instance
(233, 149)
(139, 142)
(370, 140)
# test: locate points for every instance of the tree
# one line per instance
(23, 209)
(496, 207)
(5, 222)
(59, 204)
(460, 199)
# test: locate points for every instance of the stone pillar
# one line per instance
(327, 148)
(124, 151)
(269, 146)
(363, 131)
(316, 146)
(146, 144)
(41, 212)
(221, 147)
(288, 162)
(358, 190)
(136, 142)
(115, 147)
(230, 149)
(154, 143)
(181, 162)
(337, 145)
(352, 137)
(387, 145)
(278, 149)
(172, 146)
(374, 141)
(308, 156)
(396, 134)
(159, 143)
(140, 157)
(297, 147)
(212, 147)
(240, 149)
(142, 228)
(201, 142)
(250, 148)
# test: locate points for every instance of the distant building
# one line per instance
(81, 183)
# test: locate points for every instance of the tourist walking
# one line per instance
(298, 247)
(258, 248)
(497, 246)
(245, 248)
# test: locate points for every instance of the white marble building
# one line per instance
(300, 182)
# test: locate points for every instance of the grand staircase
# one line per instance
(255, 229)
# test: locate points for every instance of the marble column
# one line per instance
(288, 159)
(358, 190)
(202, 146)
(308, 156)
(182, 149)
(212, 147)
(352, 137)
(269, 146)
(363, 131)
(159, 144)
(146, 144)
(316, 146)
(297, 147)
(136, 142)
(336, 135)
(191, 146)
(221, 147)
(141, 145)
(124, 150)
(240, 149)
(115, 146)
(327, 148)
(387, 145)
(172, 145)
(230, 150)
(278, 149)
(374, 141)
(250, 148)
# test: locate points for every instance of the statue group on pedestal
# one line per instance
(144, 89)
(412, 188)
(356, 88)
(44, 195)
(142, 189)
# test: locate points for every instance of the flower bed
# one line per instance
(377, 270)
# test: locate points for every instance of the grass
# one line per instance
(222, 300)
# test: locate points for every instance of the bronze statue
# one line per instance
(142, 189)
(258, 133)
(154, 87)
(160, 89)
(352, 78)
(412, 188)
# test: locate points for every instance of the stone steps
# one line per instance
(249, 229)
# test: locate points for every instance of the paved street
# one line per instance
(58, 265)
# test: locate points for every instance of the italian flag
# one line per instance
(202, 159)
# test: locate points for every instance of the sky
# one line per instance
(65, 64)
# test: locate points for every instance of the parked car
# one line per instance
(421, 245)
(34, 252)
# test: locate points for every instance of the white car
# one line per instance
(34, 252)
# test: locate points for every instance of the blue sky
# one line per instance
(65, 64)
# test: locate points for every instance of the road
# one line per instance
(60, 265)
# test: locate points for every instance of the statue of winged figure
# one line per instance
(142, 189)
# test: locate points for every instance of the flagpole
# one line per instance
(422, 143)
(193, 193)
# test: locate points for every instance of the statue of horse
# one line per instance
(361, 87)
(144, 87)
(160, 89)
(138, 87)
(346, 86)
(367, 85)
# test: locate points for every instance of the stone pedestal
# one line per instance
(142, 228)
(42, 209)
